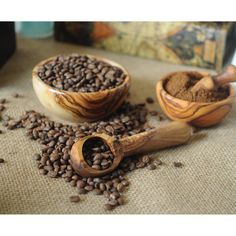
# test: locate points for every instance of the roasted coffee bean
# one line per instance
(113, 202)
(114, 195)
(102, 186)
(158, 162)
(74, 199)
(108, 207)
(56, 140)
(120, 187)
(52, 174)
(120, 201)
(140, 164)
(37, 157)
(97, 154)
(54, 157)
(15, 95)
(146, 159)
(82, 191)
(2, 160)
(149, 100)
(73, 183)
(152, 167)
(88, 188)
(43, 171)
(80, 73)
(106, 194)
(2, 100)
(160, 118)
(98, 192)
(125, 182)
(1, 131)
(178, 164)
(153, 113)
(2, 107)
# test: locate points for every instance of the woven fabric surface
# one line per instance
(206, 184)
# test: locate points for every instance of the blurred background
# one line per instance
(203, 44)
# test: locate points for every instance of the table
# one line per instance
(206, 184)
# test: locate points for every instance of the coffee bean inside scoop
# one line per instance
(97, 154)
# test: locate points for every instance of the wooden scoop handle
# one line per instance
(172, 134)
(211, 82)
(227, 76)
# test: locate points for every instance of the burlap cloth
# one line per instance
(206, 183)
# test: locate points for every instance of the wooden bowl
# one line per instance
(197, 114)
(78, 106)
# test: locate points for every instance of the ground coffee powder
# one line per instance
(179, 85)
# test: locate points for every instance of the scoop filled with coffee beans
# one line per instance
(80, 87)
(99, 154)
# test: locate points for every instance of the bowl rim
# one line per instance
(126, 81)
(165, 77)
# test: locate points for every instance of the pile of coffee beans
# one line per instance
(56, 140)
(79, 73)
(97, 154)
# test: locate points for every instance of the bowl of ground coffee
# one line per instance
(202, 108)
(80, 87)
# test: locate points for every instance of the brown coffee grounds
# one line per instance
(180, 84)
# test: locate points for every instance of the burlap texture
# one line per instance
(206, 183)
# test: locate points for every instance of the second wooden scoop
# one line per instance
(212, 82)
(172, 134)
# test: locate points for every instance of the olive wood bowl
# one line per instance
(79, 106)
(204, 114)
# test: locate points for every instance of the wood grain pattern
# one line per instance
(77, 106)
(172, 134)
(197, 114)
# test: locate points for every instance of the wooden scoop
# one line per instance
(212, 82)
(172, 134)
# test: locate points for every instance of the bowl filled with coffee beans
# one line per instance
(80, 87)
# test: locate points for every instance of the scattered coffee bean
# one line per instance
(146, 159)
(178, 164)
(80, 73)
(149, 100)
(157, 162)
(2, 100)
(151, 167)
(97, 192)
(2, 160)
(43, 171)
(109, 207)
(1, 131)
(81, 184)
(2, 107)
(36, 157)
(82, 191)
(153, 113)
(74, 199)
(120, 201)
(52, 174)
(57, 138)
(160, 118)
(16, 95)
